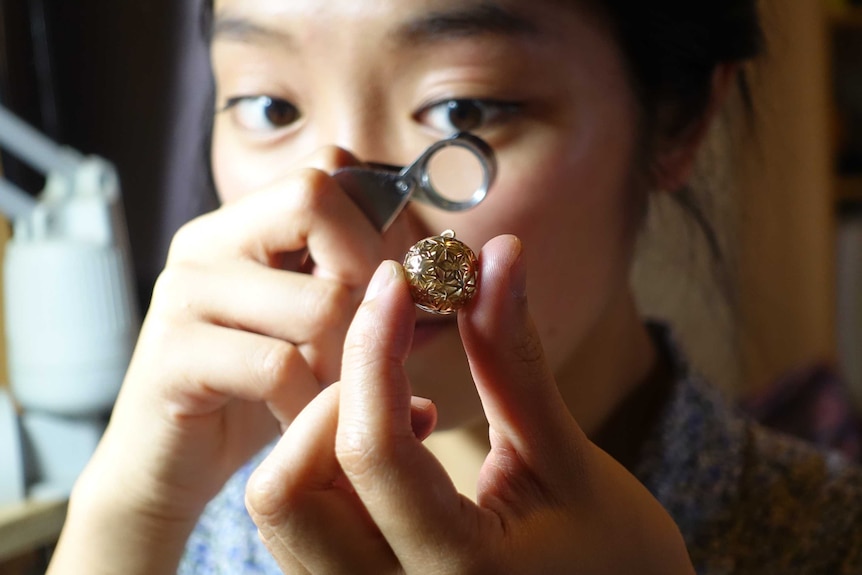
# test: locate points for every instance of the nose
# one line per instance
(330, 158)
(357, 118)
(357, 129)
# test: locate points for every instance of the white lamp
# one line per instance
(11, 458)
(71, 318)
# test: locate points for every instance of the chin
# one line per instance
(438, 369)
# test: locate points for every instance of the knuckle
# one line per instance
(156, 346)
(332, 305)
(171, 291)
(330, 158)
(272, 365)
(266, 505)
(340, 301)
(316, 186)
(279, 507)
(185, 240)
(527, 349)
(157, 331)
(360, 354)
(361, 455)
(359, 346)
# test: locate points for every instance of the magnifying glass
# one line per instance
(381, 191)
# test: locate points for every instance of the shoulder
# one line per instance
(798, 504)
(225, 540)
(749, 500)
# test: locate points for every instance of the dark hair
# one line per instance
(672, 48)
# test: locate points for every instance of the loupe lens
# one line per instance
(455, 173)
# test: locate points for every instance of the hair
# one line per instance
(672, 49)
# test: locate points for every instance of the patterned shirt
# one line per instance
(747, 500)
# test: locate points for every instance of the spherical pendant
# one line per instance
(443, 273)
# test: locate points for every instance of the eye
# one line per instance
(465, 115)
(261, 113)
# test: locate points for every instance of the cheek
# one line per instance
(230, 181)
(571, 212)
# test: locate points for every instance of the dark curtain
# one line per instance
(122, 79)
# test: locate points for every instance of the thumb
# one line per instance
(518, 390)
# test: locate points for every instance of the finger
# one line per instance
(220, 364)
(423, 417)
(304, 515)
(404, 488)
(530, 423)
(244, 295)
(306, 210)
(329, 159)
(312, 313)
(288, 565)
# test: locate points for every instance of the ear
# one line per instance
(676, 158)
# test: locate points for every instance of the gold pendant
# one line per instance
(442, 272)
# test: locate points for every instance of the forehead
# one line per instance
(404, 21)
(378, 9)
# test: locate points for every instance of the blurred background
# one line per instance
(777, 324)
(127, 81)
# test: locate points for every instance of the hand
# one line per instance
(238, 339)
(350, 488)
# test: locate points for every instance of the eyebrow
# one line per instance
(486, 18)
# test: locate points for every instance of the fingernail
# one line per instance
(518, 273)
(384, 275)
(423, 417)
(421, 403)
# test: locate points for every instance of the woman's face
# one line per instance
(541, 81)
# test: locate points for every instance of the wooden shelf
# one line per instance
(850, 17)
(29, 526)
(848, 189)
